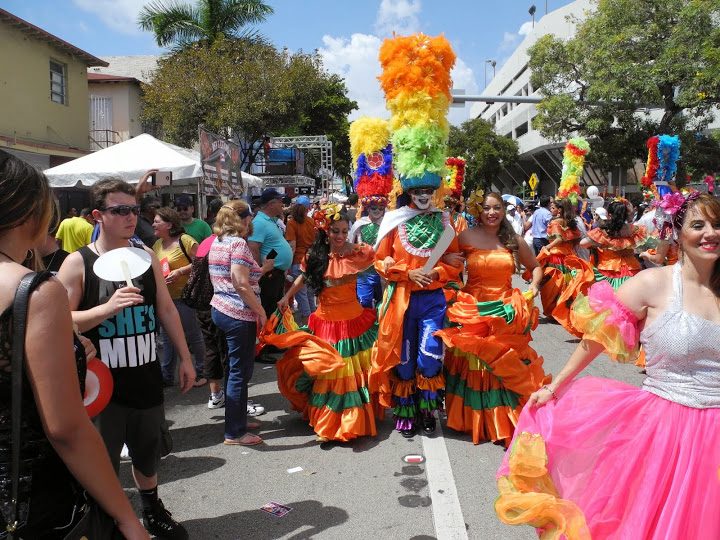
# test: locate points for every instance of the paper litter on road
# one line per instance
(294, 470)
(276, 509)
(268, 367)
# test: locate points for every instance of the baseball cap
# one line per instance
(269, 194)
(510, 207)
(184, 200)
(305, 201)
(601, 213)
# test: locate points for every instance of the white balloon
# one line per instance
(592, 192)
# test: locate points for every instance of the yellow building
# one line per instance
(44, 94)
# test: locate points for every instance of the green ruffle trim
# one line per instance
(615, 282)
(479, 400)
(304, 384)
(430, 406)
(496, 308)
(339, 403)
(352, 346)
(560, 267)
(423, 231)
(405, 411)
(387, 297)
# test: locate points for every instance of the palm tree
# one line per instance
(178, 24)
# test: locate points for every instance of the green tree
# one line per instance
(634, 69)
(247, 89)
(177, 24)
(485, 152)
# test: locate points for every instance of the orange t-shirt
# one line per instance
(303, 234)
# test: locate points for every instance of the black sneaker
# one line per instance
(159, 522)
(428, 425)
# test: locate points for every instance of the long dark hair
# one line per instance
(617, 217)
(318, 259)
(506, 233)
(567, 213)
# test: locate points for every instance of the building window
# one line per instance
(58, 85)
(521, 130)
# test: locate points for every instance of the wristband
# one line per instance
(545, 386)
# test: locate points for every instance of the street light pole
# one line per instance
(531, 11)
(493, 63)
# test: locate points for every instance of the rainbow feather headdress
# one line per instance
(663, 153)
(372, 156)
(454, 179)
(416, 81)
(573, 163)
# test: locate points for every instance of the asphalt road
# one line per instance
(357, 490)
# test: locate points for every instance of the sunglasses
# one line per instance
(121, 209)
(181, 208)
(422, 191)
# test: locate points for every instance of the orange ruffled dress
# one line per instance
(556, 275)
(616, 258)
(333, 395)
(490, 367)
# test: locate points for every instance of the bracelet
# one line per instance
(545, 386)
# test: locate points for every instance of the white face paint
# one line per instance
(422, 202)
(376, 212)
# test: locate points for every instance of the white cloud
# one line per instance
(400, 16)
(525, 28)
(356, 60)
(510, 42)
(463, 79)
(120, 15)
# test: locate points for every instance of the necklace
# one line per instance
(49, 264)
(8, 256)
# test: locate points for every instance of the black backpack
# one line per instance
(198, 290)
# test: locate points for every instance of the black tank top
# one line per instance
(126, 342)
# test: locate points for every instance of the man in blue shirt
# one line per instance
(265, 238)
(540, 220)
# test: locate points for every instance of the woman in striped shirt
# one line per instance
(237, 311)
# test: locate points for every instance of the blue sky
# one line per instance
(347, 33)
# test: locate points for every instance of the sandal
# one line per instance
(200, 381)
(246, 440)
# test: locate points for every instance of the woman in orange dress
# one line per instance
(330, 390)
(564, 234)
(490, 367)
(616, 241)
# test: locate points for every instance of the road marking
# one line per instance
(447, 514)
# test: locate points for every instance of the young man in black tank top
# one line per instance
(121, 322)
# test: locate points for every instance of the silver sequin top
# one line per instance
(682, 354)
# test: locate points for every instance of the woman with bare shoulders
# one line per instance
(600, 458)
(491, 368)
(62, 447)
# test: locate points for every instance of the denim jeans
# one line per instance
(305, 297)
(539, 243)
(193, 336)
(241, 356)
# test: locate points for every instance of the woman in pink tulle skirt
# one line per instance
(596, 458)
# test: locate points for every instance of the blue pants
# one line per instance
(369, 289)
(240, 337)
(422, 355)
(305, 297)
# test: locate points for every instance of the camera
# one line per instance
(161, 178)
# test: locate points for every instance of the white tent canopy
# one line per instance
(131, 159)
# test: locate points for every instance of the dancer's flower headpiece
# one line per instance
(372, 156)
(326, 215)
(573, 163)
(473, 205)
(416, 81)
(670, 213)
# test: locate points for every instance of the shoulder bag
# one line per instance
(95, 523)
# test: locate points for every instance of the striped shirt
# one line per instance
(223, 254)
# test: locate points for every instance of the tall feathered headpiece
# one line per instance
(372, 156)
(573, 163)
(454, 179)
(416, 81)
(663, 153)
